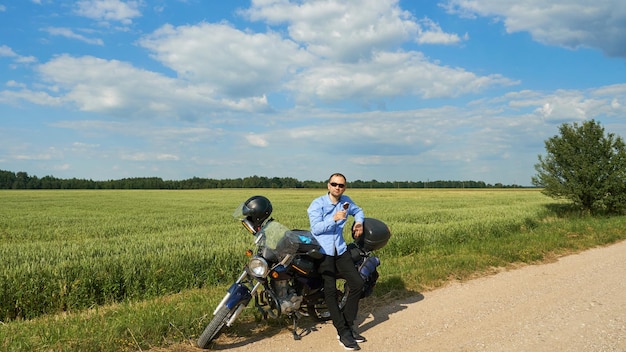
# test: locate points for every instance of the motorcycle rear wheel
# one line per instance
(215, 327)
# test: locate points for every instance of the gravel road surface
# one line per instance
(577, 303)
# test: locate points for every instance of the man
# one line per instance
(328, 215)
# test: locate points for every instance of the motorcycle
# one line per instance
(281, 276)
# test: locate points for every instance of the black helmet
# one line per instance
(256, 210)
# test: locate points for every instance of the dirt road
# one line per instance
(577, 303)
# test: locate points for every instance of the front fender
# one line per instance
(238, 293)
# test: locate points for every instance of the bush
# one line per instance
(585, 166)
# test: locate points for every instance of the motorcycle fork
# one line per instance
(230, 292)
(238, 295)
(242, 306)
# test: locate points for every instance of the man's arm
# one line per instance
(320, 224)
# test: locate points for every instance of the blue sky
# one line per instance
(377, 89)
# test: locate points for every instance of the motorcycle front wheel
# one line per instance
(215, 326)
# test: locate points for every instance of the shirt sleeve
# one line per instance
(321, 221)
(354, 210)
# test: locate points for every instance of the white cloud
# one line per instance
(26, 59)
(108, 10)
(13, 83)
(80, 147)
(49, 153)
(138, 156)
(157, 135)
(570, 105)
(615, 89)
(148, 156)
(390, 74)
(567, 23)
(221, 98)
(61, 167)
(230, 61)
(116, 87)
(431, 33)
(167, 157)
(69, 33)
(348, 30)
(615, 104)
(35, 97)
(257, 140)
(335, 51)
(6, 51)
(143, 156)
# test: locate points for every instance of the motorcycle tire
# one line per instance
(215, 327)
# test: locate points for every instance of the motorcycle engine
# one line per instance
(289, 300)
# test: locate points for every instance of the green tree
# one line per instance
(21, 180)
(7, 179)
(585, 166)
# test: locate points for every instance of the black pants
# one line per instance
(344, 266)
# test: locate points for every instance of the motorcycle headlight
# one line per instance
(258, 267)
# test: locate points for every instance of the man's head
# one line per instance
(336, 184)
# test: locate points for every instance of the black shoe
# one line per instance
(358, 337)
(347, 341)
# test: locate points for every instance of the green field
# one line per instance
(129, 270)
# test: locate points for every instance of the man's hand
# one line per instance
(340, 215)
(357, 230)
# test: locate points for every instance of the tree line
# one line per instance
(21, 180)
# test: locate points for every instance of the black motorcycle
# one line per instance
(281, 275)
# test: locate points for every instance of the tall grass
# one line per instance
(128, 270)
(66, 251)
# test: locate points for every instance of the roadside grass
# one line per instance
(134, 270)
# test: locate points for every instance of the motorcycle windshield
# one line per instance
(275, 239)
(273, 236)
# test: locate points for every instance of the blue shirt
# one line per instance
(328, 232)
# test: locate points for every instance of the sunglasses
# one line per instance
(335, 184)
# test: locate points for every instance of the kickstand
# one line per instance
(296, 336)
(305, 331)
